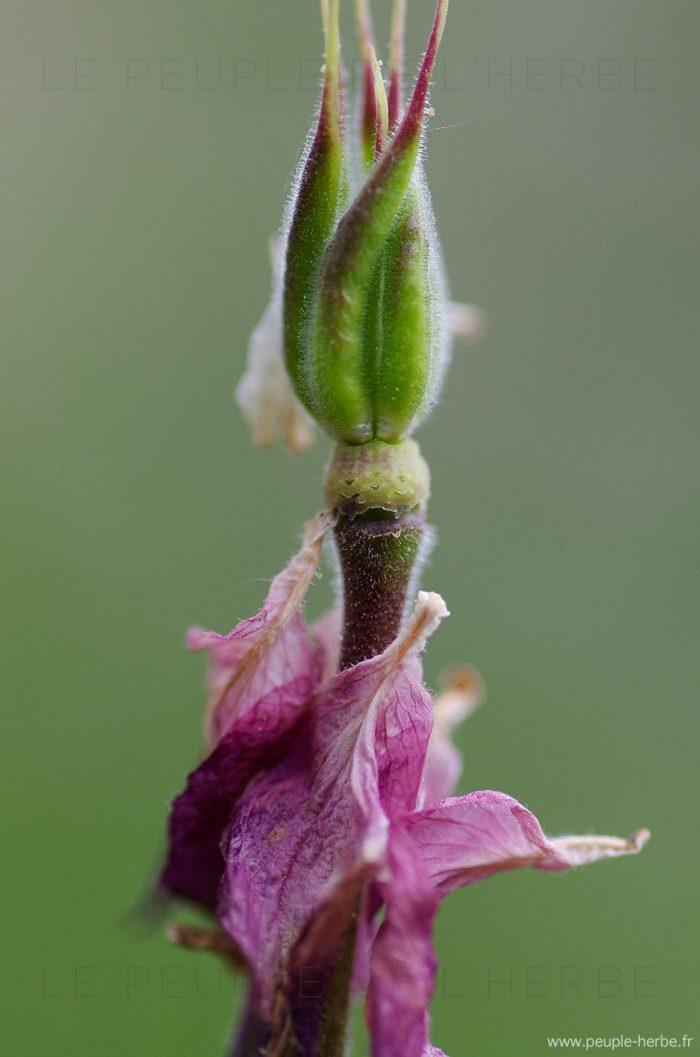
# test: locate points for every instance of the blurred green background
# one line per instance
(137, 199)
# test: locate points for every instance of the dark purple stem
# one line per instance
(378, 554)
(253, 1033)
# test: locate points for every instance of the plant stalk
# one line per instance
(378, 555)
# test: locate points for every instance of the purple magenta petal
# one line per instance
(267, 650)
(403, 962)
(327, 633)
(201, 813)
(263, 675)
(465, 839)
(308, 832)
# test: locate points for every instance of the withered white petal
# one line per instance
(264, 393)
(466, 322)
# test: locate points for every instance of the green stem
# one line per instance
(334, 1024)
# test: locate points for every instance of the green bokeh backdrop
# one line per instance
(135, 218)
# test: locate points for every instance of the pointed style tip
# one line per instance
(375, 109)
(330, 14)
(363, 17)
(416, 108)
(380, 105)
(441, 17)
(396, 61)
(436, 33)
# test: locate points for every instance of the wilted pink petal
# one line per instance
(403, 964)
(467, 838)
(462, 693)
(307, 833)
(582, 850)
(392, 743)
(367, 928)
(201, 813)
(263, 675)
(327, 633)
(268, 650)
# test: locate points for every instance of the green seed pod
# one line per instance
(362, 290)
(343, 370)
(358, 329)
(318, 198)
